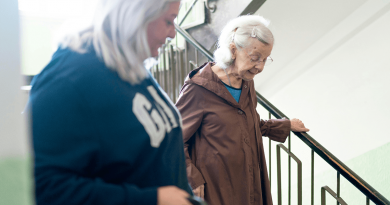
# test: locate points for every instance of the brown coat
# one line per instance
(223, 140)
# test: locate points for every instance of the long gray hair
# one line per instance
(238, 31)
(118, 34)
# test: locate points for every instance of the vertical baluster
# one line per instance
(164, 74)
(179, 69)
(269, 155)
(157, 65)
(168, 83)
(178, 72)
(323, 197)
(158, 73)
(299, 183)
(196, 57)
(338, 186)
(173, 73)
(186, 60)
(289, 169)
(182, 68)
(159, 76)
(367, 201)
(177, 79)
(279, 177)
(312, 177)
(152, 71)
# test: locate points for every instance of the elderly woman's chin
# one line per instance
(248, 75)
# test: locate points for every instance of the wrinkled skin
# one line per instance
(243, 67)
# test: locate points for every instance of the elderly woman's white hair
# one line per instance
(119, 35)
(238, 31)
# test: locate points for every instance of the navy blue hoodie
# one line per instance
(99, 140)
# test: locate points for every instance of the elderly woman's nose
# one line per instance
(260, 67)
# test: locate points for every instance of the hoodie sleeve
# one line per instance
(190, 105)
(67, 151)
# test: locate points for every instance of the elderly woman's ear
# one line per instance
(233, 49)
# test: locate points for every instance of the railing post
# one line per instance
(172, 74)
(299, 170)
(279, 176)
(312, 177)
(270, 156)
(338, 186)
(165, 76)
(289, 169)
(331, 192)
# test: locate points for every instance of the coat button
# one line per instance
(245, 86)
(240, 112)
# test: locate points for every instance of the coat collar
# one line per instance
(210, 81)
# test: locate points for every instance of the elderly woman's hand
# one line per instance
(298, 126)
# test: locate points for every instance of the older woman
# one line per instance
(222, 130)
(103, 131)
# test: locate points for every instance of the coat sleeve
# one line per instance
(275, 129)
(66, 152)
(190, 105)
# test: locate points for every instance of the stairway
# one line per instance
(175, 63)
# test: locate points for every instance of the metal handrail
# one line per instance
(193, 42)
(341, 168)
(351, 176)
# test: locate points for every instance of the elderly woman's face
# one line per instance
(162, 28)
(249, 61)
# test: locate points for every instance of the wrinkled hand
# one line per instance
(298, 126)
(171, 195)
(199, 191)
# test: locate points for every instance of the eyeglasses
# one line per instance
(256, 59)
(266, 61)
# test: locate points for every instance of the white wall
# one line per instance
(336, 81)
(339, 85)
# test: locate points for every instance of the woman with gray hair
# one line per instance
(103, 131)
(222, 130)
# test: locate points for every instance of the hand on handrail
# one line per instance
(298, 126)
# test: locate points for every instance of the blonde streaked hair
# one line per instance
(118, 34)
